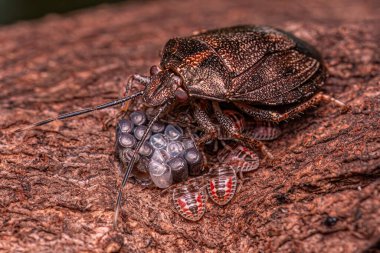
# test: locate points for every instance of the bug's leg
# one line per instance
(337, 102)
(173, 208)
(169, 197)
(196, 32)
(203, 120)
(166, 190)
(135, 82)
(229, 126)
(241, 180)
(268, 115)
(241, 175)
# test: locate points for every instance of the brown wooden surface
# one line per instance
(58, 183)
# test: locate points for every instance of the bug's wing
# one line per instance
(202, 70)
(241, 47)
(274, 76)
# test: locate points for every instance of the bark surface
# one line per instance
(58, 183)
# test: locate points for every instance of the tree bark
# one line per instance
(58, 183)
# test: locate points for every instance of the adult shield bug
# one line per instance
(266, 73)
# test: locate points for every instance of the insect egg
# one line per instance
(160, 174)
(175, 148)
(192, 156)
(146, 149)
(126, 155)
(160, 155)
(194, 159)
(127, 140)
(138, 117)
(158, 141)
(125, 126)
(173, 132)
(139, 132)
(158, 127)
(187, 143)
(179, 169)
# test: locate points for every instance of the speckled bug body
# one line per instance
(266, 73)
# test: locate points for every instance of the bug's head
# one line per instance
(164, 85)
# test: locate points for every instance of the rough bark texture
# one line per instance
(58, 183)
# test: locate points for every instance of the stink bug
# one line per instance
(222, 184)
(263, 130)
(190, 200)
(222, 178)
(266, 73)
(241, 158)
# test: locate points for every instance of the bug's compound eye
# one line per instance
(181, 95)
(154, 70)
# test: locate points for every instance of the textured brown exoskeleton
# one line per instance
(268, 74)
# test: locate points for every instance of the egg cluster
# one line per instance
(167, 155)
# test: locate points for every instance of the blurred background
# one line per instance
(14, 10)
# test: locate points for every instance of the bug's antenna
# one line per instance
(82, 111)
(133, 160)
